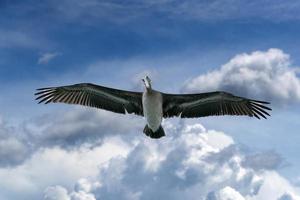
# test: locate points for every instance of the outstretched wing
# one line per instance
(88, 94)
(212, 103)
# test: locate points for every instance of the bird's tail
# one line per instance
(155, 135)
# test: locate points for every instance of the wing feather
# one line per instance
(88, 94)
(212, 103)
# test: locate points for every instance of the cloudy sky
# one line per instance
(62, 152)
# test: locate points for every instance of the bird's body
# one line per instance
(154, 105)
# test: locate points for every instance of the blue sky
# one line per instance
(180, 44)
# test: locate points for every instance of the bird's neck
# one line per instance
(148, 86)
(149, 89)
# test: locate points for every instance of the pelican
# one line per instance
(152, 104)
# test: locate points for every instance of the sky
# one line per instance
(63, 152)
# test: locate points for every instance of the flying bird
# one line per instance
(152, 104)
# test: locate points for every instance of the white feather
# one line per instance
(152, 108)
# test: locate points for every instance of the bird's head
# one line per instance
(147, 82)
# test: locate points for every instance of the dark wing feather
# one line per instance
(212, 103)
(88, 94)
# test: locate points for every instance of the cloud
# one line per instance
(287, 197)
(81, 126)
(56, 193)
(190, 165)
(47, 57)
(276, 187)
(82, 189)
(263, 160)
(266, 75)
(191, 162)
(57, 167)
(13, 149)
(88, 154)
(67, 130)
(227, 193)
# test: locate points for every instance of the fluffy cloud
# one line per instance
(195, 164)
(226, 193)
(49, 168)
(13, 150)
(68, 130)
(56, 193)
(79, 126)
(288, 197)
(82, 192)
(190, 163)
(47, 57)
(267, 75)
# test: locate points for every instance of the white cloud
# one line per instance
(13, 149)
(81, 195)
(226, 193)
(53, 166)
(275, 187)
(190, 163)
(288, 197)
(186, 167)
(67, 130)
(83, 190)
(47, 57)
(266, 75)
(56, 193)
(79, 126)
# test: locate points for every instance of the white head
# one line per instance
(147, 82)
